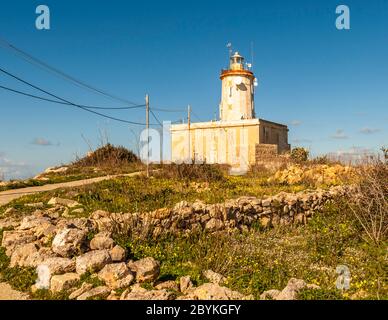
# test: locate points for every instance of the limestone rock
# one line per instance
(9, 223)
(214, 277)
(63, 282)
(21, 255)
(29, 255)
(81, 223)
(139, 293)
(102, 220)
(30, 222)
(69, 242)
(64, 202)
(92, 261)
(78, 211)
(211, 291)
(38, 205)
(146, 269)
(10, 211)
(167, 285)
(113, 296)
(84, 288)
(56, 170)
(117, 254)
(46, 229)
(59, 265)
(185, 284)
(290, 292)
(101, 241)
(11, 239)
(116, 275)
(96, 293)
(214, 224)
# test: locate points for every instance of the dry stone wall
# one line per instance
(232, 215)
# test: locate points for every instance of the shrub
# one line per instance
(199, 172)
(323, 160)
(107, 155)
(299, 155)
(370, 206)
(385, 153)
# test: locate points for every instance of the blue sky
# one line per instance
(329, 86)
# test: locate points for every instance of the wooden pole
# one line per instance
(188, 126)
(147, 101)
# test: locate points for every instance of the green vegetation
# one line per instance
(258, 261)
(299, 155)
(252, 262)
(94, 281)
(19, 278)
(131, 194)
(191, 172)
(44, 294)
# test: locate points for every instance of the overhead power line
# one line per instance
(157, 120)
(196, 116)
(67, 101)
(169, 110)
(31, 59)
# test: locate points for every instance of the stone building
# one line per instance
(238, 138)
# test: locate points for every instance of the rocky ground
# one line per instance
(153, 245)
(63, 249)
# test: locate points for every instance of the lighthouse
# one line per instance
(238, 138)
(237, 91)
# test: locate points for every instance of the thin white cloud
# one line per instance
(296, 123)
(339, 134)
(367, 130)
(42, 142)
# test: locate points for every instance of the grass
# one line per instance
(133, 194)
(252, 262)
(258, 261)
(44, 294)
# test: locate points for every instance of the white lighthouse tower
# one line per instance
(237, 97)
(238, 138)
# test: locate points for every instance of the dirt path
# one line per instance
(9, 195)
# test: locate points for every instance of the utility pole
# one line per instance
(147, 101)
(188, 126)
